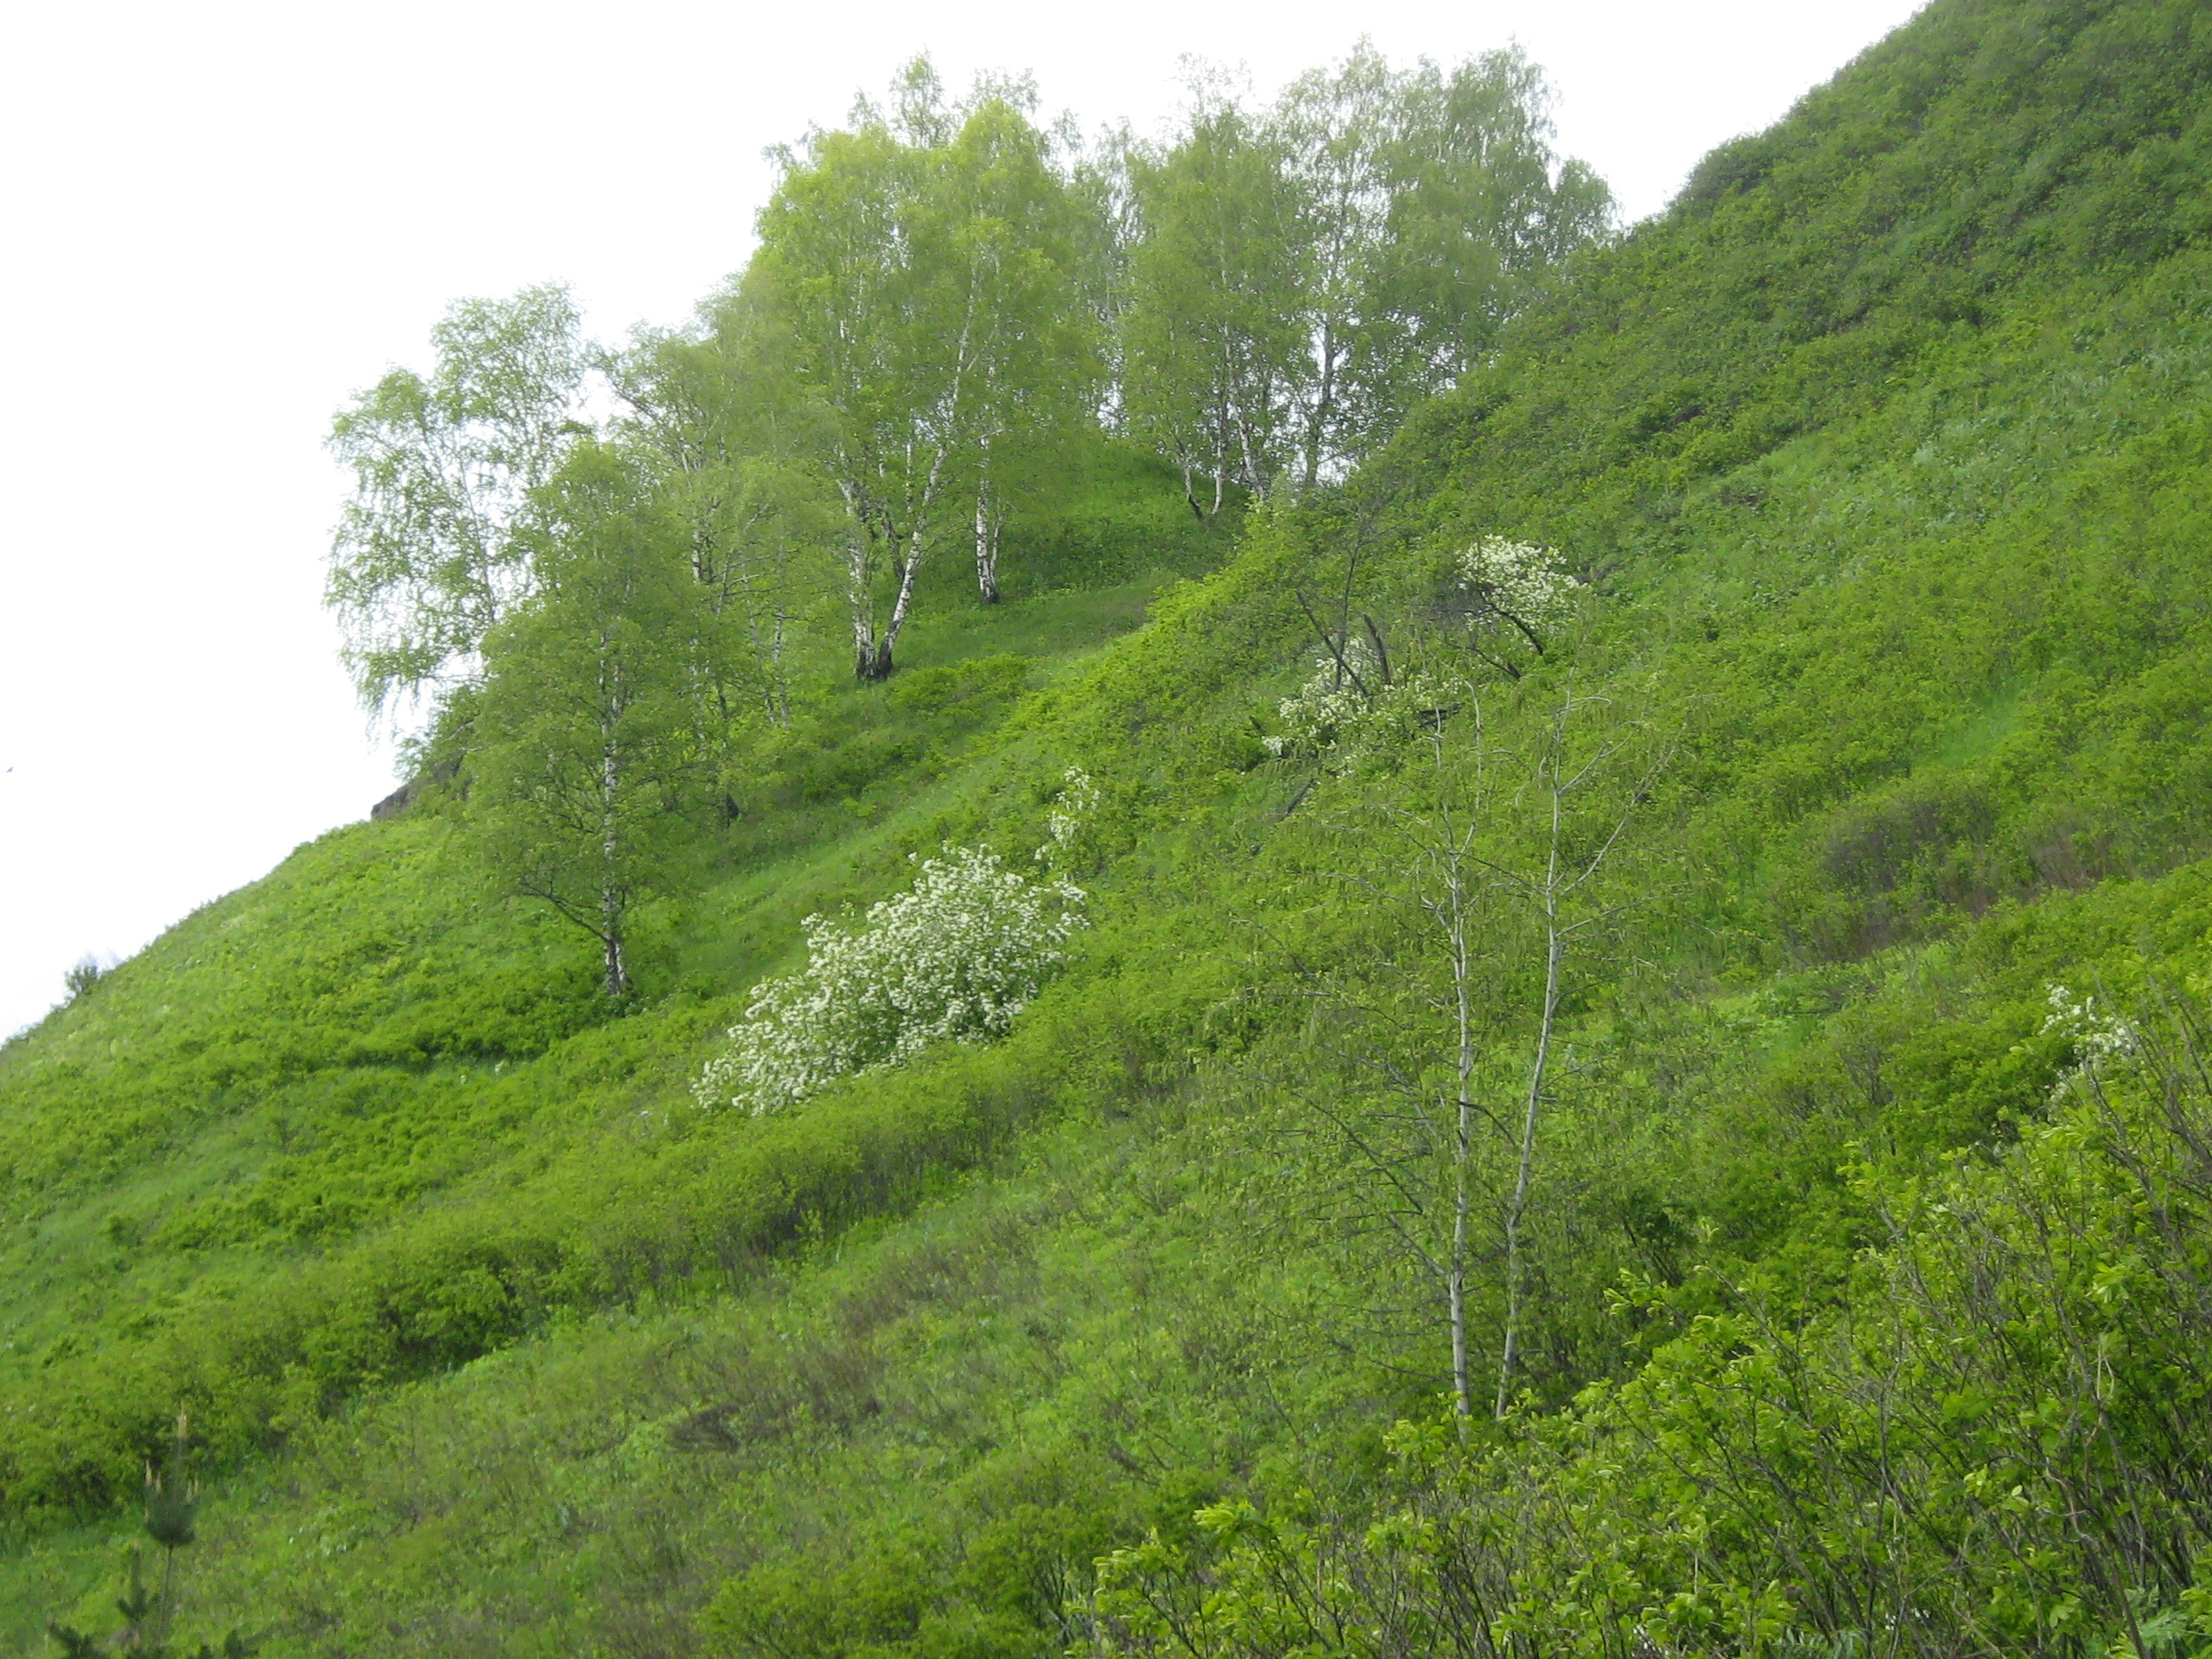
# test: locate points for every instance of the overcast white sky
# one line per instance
(221, 219)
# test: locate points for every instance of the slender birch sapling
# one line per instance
(1499, 821)
(1506, 850)
(1588, 773)
(584, 745)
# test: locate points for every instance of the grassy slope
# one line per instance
(1893, 436)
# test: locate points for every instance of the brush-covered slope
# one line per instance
(1887, 452)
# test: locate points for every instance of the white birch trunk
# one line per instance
(987, 526)
(1463, 1151)
(1525, 1163)
(611, 845)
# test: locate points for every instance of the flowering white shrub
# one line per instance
(1078, 800)
(1328, 706)
(1332, 720)
(1516, 583)
(954, 958)
(2098, 1038)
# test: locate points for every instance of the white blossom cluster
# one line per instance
(954, 958)
(2098, 1038)
(1518, 583)
(1078, 800)
(1332, 720)
(1328, 706)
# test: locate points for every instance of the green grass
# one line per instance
(618, 1467)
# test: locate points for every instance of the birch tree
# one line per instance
(839, 265)
(1585, 775)
(1337, 134)
(1212, 344)
(1482, 209)
(1503, 849)
(432, 548)
(925, 263)
(1429, 203)
(582, 740)
(1011, 225)
(1302, 274)
(737, 445)
(1495, 824)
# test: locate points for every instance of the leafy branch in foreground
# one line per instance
(1994, 1445)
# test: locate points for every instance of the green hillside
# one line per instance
(1842, 1292)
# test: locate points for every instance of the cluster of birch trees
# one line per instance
(598, 570)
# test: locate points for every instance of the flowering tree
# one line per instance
(1328, 706)
(1353, 705)
(2100, 1039)
(954, 958)
(1509, 593)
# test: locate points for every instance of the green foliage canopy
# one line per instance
(431, 550)
(582, 735)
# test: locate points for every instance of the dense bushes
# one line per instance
(1994, 1442)
(681, 1206)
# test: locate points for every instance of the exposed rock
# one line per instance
(394, 804)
